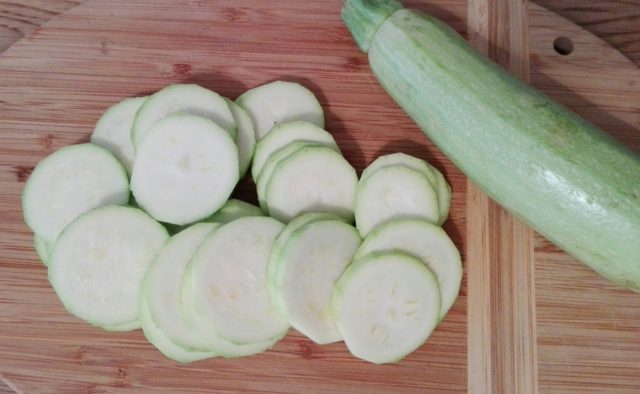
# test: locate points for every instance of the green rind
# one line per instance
(234, 209)
(42, 249)
(245, 137)
(552, 169)
(365, 16)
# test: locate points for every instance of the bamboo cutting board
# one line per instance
(585, 333)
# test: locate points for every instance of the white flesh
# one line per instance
(225, 283)
(245, 136)
(386, 306)
(163, 286)
(113, 130)
(185, 169)
(278, 244)
(392, 193)
(282, 135)
(186, 98)
(157, 338)
(278, 102)
(425, 241)
(313, 179)
(313, 259)
(99, 261)
(69, 182)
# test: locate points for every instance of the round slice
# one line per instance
(312, 179)
(157, 338)
(278, 102)
(311, 262)
(69, 182)
(386, 306)
(245, 136)
(185, 169)
(278, 244)
(444, 197)
(392, 193)
(186, 98)
(285, 133)
(113, 130)
(225, 283)
(272, 162)
(42, 249)
(234, 209)
(99, 261)
(162, 291)
(425, 241)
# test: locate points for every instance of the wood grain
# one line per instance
(587, 329)
(502, 354)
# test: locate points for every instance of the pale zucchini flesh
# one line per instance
(186, 168)
(182, 98)
(311, 261)
(566, 178)
(99, 261)
(425, 241)
(280, 101)
(386, 305)
(113, 130)
(392, 193)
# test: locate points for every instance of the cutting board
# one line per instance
(585, 332)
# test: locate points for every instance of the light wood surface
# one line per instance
(587, 330)
(502, 326)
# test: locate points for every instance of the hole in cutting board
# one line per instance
(563, 45)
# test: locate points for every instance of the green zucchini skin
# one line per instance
(566, 178)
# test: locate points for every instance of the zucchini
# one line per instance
(566, 178)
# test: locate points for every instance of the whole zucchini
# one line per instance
(563, 176)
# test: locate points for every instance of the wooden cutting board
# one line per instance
(55, 84)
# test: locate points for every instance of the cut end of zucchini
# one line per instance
(364, 17)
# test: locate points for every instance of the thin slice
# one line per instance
(425, 241)
(162, 290)
(130, 326)
(312, 179)
(285, 133)
(113, 130)
(225, 284)
(444, 196)
(272, 162)
(185, 169)
(245, 136)
(311, 262)
(157, 338)
(69, 182)
(42, 248)
(280, 101)
(187, 98)
(392, 193)
(386, 305)
(99, 261)
(278, 244)
(234, 209)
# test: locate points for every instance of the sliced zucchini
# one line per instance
(265, 175)
(162, 291)
(312, 179)
(99, 261)
(185, 169)
(71, 181)
(234, 209)
(157, 338)
(392, 193)
(278, 244)
(130, 326)
(113, 130)
(278, 102)
(245, 136)
(425, 241)
(42, 249)
(282, 135)
(312, 260)
(186, 98)
(385, 306)
(225, 283)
